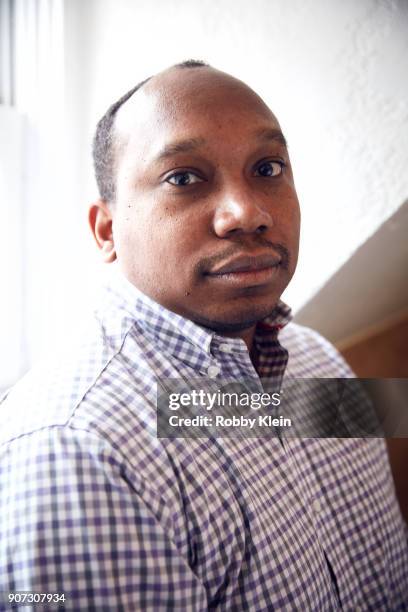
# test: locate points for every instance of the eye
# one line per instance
(270, 168)
(183, 178)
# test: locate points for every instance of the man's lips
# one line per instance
(247, 263)
(247, 271)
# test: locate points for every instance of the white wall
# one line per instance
(335, 73)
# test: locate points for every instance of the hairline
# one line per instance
(105, 141)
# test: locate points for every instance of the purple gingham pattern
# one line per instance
(95, 506)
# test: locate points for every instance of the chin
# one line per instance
(235, 320)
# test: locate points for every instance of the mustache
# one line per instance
(237, 249)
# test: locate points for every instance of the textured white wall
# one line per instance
(335, 73)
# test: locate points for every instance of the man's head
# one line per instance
(197, 200)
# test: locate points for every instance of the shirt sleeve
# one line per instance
(72, 523)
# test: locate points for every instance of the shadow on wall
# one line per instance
(363, 310)
(368, 291)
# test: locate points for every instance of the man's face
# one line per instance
(206, 218)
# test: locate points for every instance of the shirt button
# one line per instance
(213, 371)
(317, 506)
(226, 348)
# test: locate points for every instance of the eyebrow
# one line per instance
(271, 134)
(190, 144)
(180, 146)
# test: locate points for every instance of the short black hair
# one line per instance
(103, 150)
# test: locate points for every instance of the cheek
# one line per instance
(286, 216)
(294, 223)
(292, 215)
(133, 239)
(180, 232)
(294, 235)
(158, 241)
(288, 226)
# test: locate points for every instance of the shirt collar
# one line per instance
(164, 324)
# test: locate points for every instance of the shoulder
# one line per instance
(312, 355)
(52, 392)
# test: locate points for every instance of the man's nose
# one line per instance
(241, 212)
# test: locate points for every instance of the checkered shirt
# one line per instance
(94, 505)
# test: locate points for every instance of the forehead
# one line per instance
(188, 103)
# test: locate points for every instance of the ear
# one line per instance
(100, 220)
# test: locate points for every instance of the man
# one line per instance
(199, 211)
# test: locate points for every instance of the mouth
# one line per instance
(248, 270)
